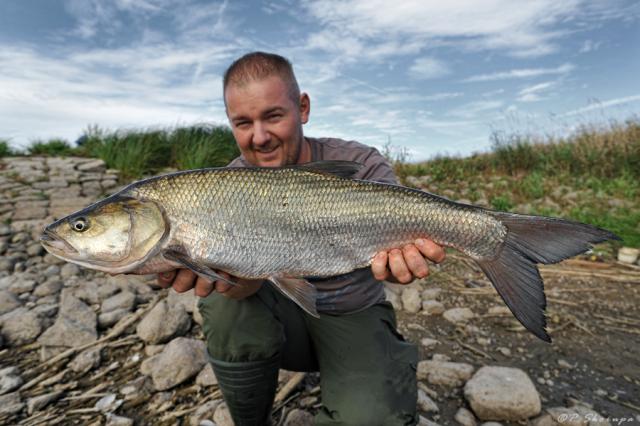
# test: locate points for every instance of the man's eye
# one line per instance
(80, 224)
(274, 117)
(242, 124)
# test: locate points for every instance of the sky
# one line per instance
(426, 77)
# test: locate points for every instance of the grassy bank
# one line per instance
(140, 152)
(592, 175)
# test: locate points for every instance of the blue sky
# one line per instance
(430, 76)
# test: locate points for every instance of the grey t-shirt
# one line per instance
(356, 290)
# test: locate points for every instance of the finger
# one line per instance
(221, 286)
(430, 250)
(398, 267)
(165, 279)
(204, 287)
(185, 280)
(379, 266)
(415, 262)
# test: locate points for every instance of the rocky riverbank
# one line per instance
(79, 347)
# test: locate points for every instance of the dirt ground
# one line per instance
(594, 321)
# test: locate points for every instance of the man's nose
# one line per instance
(260, 134)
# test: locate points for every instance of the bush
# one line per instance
(203, 146)
(52, 147)
(5, 149)
(143, 152)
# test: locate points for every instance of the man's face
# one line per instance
(266, 122)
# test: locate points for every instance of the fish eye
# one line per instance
(80, 224)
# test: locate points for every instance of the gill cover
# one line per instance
(114, 235)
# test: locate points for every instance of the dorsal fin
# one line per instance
(344, 169)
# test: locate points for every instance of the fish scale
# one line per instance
(258, 222)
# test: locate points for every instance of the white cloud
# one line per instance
(428, 68)
(590, 46)
(600, 105)
(521, 73)
(534, 93)
(517, 28)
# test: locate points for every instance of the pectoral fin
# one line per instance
(199, 268)
(301, 291)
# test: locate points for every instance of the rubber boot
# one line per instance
(248, 389)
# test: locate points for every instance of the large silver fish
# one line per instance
(284, 224)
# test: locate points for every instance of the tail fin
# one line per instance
(531, 240)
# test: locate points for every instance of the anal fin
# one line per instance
(301, 291)
(199, 268)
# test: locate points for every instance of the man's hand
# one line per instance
(184, 280)
(406, 264)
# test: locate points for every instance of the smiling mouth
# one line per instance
(51, 240)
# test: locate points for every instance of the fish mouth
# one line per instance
(52, 241)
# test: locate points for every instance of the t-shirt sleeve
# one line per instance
(376, 168)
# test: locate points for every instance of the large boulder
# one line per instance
(502, 393)
(181, 359)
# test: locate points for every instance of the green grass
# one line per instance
(52, 147)
(5, 149)
(203, 146)
(598, 165)
(143, 152)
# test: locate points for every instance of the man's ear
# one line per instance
(305, 107)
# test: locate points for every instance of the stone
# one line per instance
(444, 373)
(502, 393)
(207, 377)
(222, 416)
(106, 320)
(393, 298)
(465, 417)
(113, 420)
(124, 300)
(69, 270)
(86, 360)
(432, 307)
(423, 421)
(429, 343)
(108, 403)
(9, 379)
(164, 322)
(205, 411)
(458, 315)
(75, 325)
(5, 230)
(91, 188)
(411, 300)
(147, 366)
(499, 311)
(151, 350)
(180, 360)
(425, 403)
(30, 210)
(186, 299)
(431, 293)
(8, 302)
(20, 326)
(39, 402)
(47, 288)
(22, 286)
(94, 292)
(298, 417)
(11, 403)
(92, 166)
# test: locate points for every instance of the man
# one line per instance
(367, 370)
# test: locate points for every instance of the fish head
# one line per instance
(113, 235)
